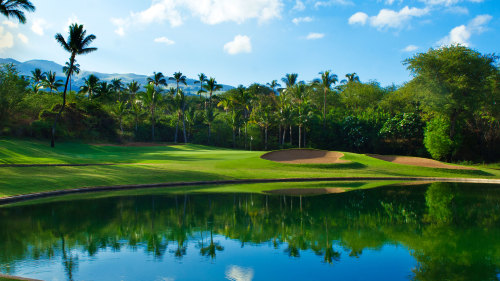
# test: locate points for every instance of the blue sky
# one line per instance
(246, 41)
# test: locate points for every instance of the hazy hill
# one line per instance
(25, 69)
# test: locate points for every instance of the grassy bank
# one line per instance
(156, 164)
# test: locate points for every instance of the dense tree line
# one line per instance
(448, 111)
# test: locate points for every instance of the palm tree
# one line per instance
(290, 80)
(158, 80)
(117, 86)
(201, 78)
(151, 99)
(51, 81)
(77, 44)
(119, 111)
(351, 77)
(104, 90)
(326, 81)
(74, 69)
(211, 87)
(90, 86)
(179, 78)
(273, 85)
(136, 110)
(133, 87)
(38, 77)
(299, 95)
(13, 8)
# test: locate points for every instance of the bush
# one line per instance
(437, 139)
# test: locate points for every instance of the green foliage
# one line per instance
(436, 140)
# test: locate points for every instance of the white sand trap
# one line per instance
(417, 161)
(305, 156)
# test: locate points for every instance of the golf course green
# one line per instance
(26, 166)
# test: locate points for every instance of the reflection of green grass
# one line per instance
(230, 188)
(174, 164)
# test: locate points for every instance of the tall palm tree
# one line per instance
(299, 95)
(351, 77)
(13, 8)
(327, 80)
(77, 44)
(69, 71)
(133, 87)
(201, 79)
(51, 81)
(211, 87)
(117, 86)
(179, 78)
(150, 98)
(137, 112)
(90, 86)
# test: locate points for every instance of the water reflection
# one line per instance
(452, 231)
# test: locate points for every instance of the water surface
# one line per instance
(439, 231)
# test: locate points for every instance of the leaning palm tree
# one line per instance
(77, 44)
(326, 81)
(13, 8)
(201, 79)
(51, 82)
(211, 87)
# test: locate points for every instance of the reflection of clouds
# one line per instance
(238, 273)
(165, 279)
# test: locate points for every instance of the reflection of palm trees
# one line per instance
(70, 263)
(212, 248)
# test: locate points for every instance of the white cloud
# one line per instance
(410, 48)
(358, 18)
(458, 10)
(6, 39)
(38, 26)
(23, 38)
(240, 44)
(164, 40)
(319, 4)
(396, 19)
(10, 24)
(462, 34)
(299, 6)
(447, 3)
(303, 19)
(314, 36)
(238, 273)
(208, 11)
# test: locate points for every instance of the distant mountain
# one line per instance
(25, 69)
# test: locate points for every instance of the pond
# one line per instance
(438, 231)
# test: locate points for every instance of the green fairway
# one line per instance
(159, 164)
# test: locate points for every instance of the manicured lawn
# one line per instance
(176, 163)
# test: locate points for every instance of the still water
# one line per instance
(439, 231)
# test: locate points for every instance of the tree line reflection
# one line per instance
(452, 230)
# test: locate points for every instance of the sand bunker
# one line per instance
(306, 191)
(305, 156)
(417, 161)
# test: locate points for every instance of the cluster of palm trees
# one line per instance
(44, 80)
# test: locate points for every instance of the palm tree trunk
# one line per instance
(209, 125)
(324, 110)
(184, 125)
(152, 124)
(234, 137)
(290, 135)
(265, 146)
(52, 140)
(284, 136)
(176, 128)
(300, 135)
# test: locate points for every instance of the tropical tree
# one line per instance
(119, 110)
(179, 78)
(201, 79)
(50, 81)
(351, 77)
(37, 77)
(211, 87)
(151, 98)
(290, 80)
(77, 44)
(117, 87)
(273, 85)
(132, 88)
(300, 96)
(69, 71)
(14, 9)
(327, 80)
(137, 111)
(262, 114)
(105, 91)
(158, 80)
(90, 86)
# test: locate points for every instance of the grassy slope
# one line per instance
(174, 163)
